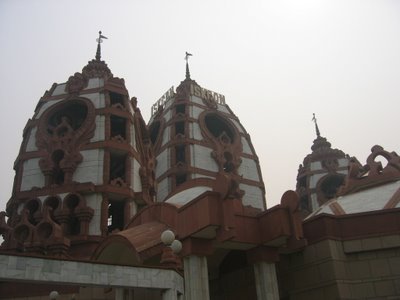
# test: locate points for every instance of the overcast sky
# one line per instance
(276, 62)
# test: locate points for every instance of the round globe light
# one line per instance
(167, 237)
(54, 295)
(176, 246)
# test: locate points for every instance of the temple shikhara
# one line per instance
(108, 206)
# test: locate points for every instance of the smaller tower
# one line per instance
(321, 174)
(200, 145)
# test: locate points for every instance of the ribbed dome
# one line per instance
(201, 145)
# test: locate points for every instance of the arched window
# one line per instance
(58, 173)
(219, 127)
(33, 206)
(69, 117)
(330, 185)
(71, 202)
(54, 204)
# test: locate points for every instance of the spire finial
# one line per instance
(187, 65)
(99, 40)
(314, 119)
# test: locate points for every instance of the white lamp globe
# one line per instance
(53, 295)
(176, 246)
(167, 237)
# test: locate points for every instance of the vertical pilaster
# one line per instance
(170, 294)
(196, 278)
(266, 281)
(119, 294)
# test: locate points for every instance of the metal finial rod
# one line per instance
(99, 40)
(187, 65)
(314, 119)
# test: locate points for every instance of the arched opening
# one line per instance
(44, 231)
(330, 185)
(118, 127)
(58, 173)
(234, 268)
(218, 126)
(228, 165)
(115, 215)
(53, 203)
(74, 226)
(69, 117)
(33, 207)
(21, 233)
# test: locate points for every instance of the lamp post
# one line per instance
(172, 247)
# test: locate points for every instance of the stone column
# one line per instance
(170, 294)
(266, 281)
(196, 278)
(119, 294)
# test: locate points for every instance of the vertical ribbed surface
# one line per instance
(196, 278)
(266, 281)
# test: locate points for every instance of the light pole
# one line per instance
(169, 255)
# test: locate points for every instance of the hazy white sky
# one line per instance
(276, 62)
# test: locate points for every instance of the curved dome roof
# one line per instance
(377, 198)
(367, 188)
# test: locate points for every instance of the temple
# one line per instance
(105, 206)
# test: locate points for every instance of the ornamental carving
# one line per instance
(227, 148)
(76, 83)
(373, 173)
(148, 161)
(62, 130)
(96, 69)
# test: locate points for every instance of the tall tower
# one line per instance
(200, 145)
(321, 174)
(85, 166)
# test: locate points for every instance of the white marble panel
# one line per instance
(166, 135)
(253, 196)
(168, 115)
(94, 201)
(246, 146)
(98, 99)
(223, 108)
(195, 111)
(370, 199)
(195, 132)
(163, 189)
(45, 106)
(99, 133)
(31, 145)
(91, 167)
(201, 158)
(95, 83)
(136, 183)
(32, 176)
(248, 169)
(169, 102)
(343, 162)
(315, 165)
(59, 90)
(52, 271)
(133, 136)
(237, 125)
(195, 175)
(197, 100)
(314, 201)
(314, 180)
(163, 162)
(187, 195)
